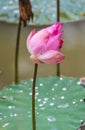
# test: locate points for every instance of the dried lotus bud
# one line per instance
(25, 9)
(82, 81)
(82, 127)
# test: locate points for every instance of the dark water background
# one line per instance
(73, 48)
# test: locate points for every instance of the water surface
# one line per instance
(73, 49)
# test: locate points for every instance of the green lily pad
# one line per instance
(44, 11)
(59, 104)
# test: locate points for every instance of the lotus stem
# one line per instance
(58, 19)
(58, 10)
(17, 51)
(33, 98)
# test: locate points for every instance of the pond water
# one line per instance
(73, 49)
(45, 11)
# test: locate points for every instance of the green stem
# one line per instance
(58, 10)
(33, 98)
(58, 19)
(17, 51)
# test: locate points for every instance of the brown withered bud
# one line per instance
(82, 127)
(25, 9)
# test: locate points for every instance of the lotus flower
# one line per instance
(44, 45)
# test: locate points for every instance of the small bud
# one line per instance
(25, 9)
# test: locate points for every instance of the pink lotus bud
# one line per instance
(44, 45)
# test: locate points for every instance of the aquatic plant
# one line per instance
(44, 47)
(25, 10)
(25, 14)
(59, 100)
(58, 19)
